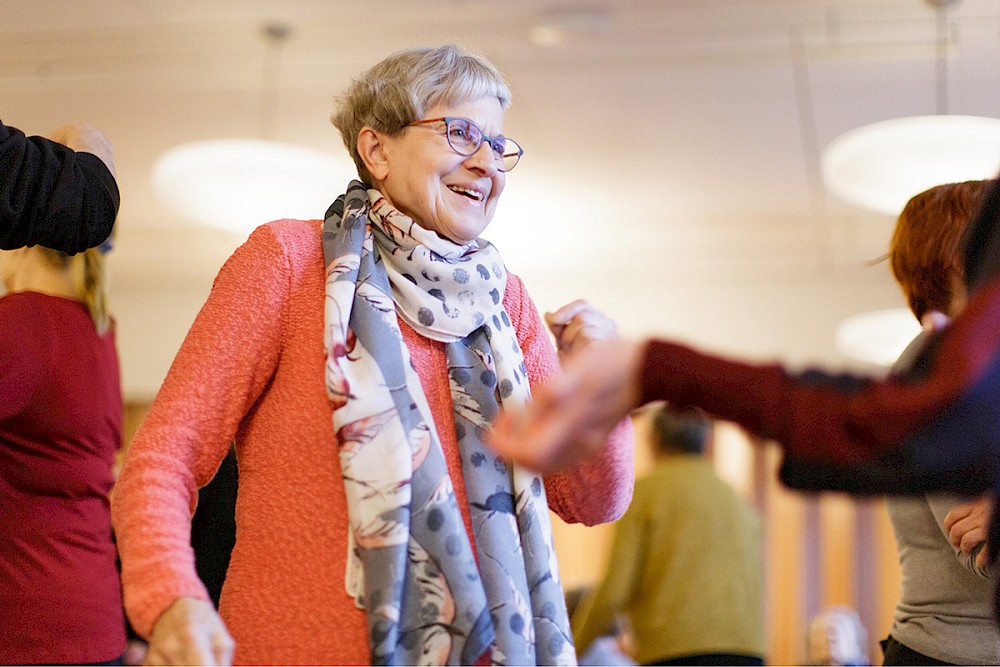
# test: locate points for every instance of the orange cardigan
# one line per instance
(251, 369)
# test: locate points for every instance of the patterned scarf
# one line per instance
(410, 560)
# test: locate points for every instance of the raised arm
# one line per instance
(57, 193)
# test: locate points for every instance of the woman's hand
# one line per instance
(88, 139)
(967, 525)
(578, 324)
(571, 416)
(190, 632)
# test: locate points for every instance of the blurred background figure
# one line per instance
(686, 566)
(59, 192)
(60, 426)
(837, 637)
(944, 613)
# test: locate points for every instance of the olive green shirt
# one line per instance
(685, 568)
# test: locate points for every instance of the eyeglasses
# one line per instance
(465, 138)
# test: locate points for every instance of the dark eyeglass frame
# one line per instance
(499, 156)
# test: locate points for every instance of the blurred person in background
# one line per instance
(686, 565)
(60, 426)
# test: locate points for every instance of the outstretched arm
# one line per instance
(60, 193)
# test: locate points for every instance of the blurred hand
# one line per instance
(135, 652)
(967, 525)
(571, 416)
(190, 632)
(87, 139)
(578, 324)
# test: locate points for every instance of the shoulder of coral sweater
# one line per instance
(299, 242)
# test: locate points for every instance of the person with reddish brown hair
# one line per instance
(944, 613)
(925, 252)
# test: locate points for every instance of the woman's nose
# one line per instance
(484, 160)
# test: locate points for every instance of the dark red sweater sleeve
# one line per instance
(935, 427)
(53, 196)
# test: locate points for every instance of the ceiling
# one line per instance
(671, 171)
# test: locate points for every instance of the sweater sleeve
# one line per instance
(53, 196)
(857, 434)
(598, 489)
(223, 365)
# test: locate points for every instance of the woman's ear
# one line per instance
(371, 148)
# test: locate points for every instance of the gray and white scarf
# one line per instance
(410, 561)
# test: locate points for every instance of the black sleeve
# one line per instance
(53, 196)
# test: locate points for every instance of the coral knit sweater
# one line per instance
(252, 370)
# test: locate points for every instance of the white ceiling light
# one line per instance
(881, 166)
(238, 184)
(876, 337)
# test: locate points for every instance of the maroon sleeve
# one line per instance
(852, 422)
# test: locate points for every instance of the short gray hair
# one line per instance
(398, 91)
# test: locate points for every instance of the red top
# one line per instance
(252, 369)
(60, 426)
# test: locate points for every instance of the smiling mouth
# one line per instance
(474, 195)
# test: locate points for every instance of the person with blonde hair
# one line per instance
(357, 362)
(60, 427)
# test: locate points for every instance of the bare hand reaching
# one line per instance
(571, 417)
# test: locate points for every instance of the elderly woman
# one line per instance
(357, 363)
